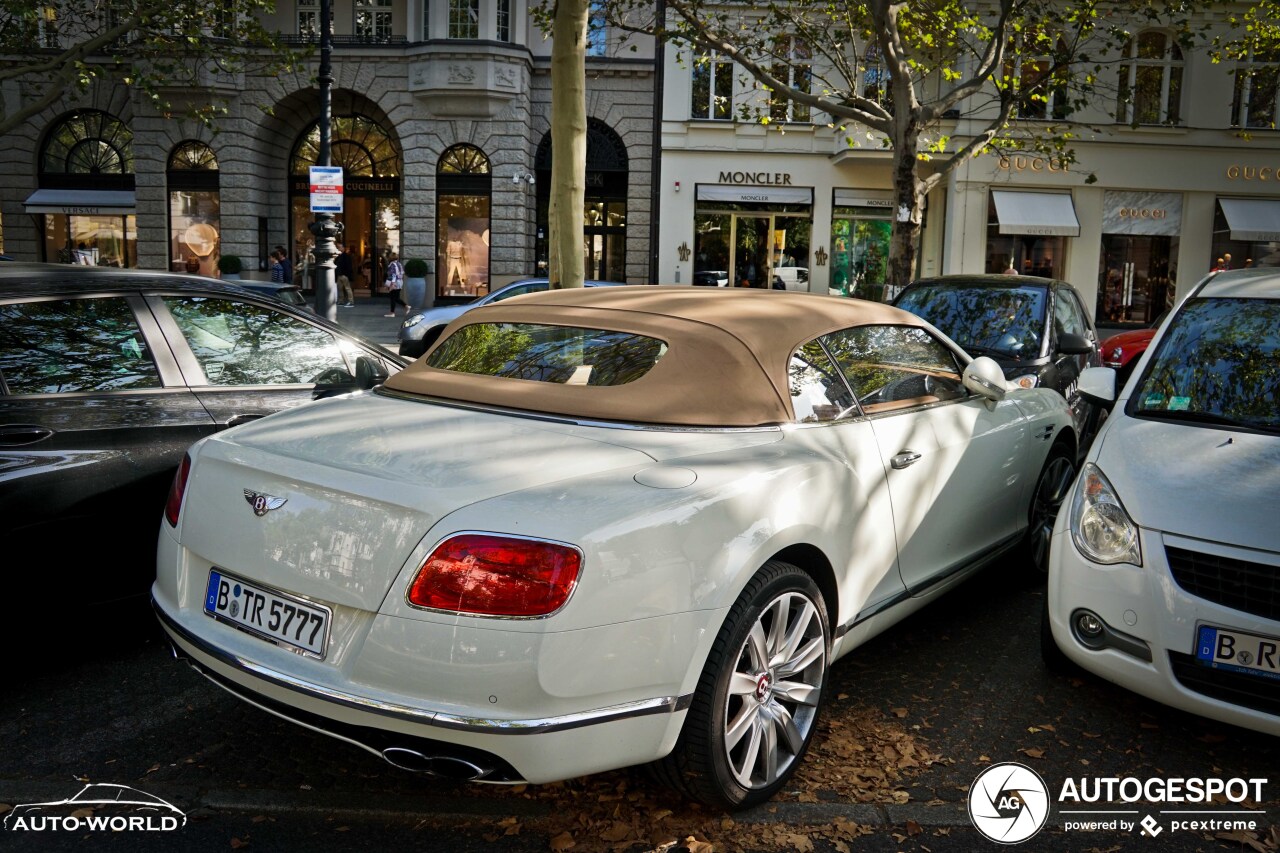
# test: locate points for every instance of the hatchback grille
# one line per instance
(1248, 587)
(1248, 691)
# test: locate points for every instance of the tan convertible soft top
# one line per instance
(726, 363)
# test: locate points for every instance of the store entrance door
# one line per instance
(749, 264)
(1134, 282)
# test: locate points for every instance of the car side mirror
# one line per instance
(1070, 343)
(985, 378)
(335, 382)
(1097, 385)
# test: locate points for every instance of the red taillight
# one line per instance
(496, 576)
(174, 505)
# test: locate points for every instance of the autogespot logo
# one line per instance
(1008, 803)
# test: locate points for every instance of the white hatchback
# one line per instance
(1164, 576)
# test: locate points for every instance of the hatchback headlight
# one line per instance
(1026, 380)
(412, 321)
(1100, 527)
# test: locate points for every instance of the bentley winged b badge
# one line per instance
(263, 504)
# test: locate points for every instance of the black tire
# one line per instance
(773, 727)
(1055, 660)
(412, 349)
(1052, 487)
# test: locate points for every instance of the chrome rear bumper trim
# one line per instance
(424, 716)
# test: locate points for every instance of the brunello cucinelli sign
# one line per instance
(302, 186)
(1240, 172)
(1028, 163)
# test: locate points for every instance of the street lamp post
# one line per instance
(325, 228)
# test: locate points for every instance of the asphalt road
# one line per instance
(912, 718)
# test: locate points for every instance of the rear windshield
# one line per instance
(1218, 364)
(1005, 322)
(564, 355)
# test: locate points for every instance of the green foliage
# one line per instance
(415, 268)
(182, 57)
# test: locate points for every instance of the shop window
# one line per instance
(604, 203)
(90, 151)
(1257, 85)
(1150, 84)
(860, 253)
(795, 69)
(712, 88)
(1024, 254)
(372, 163)
(195, 225)
(464, 186)
(464, 19)
(373, 21)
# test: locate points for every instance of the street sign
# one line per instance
(326, 189)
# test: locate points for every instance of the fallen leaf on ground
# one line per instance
(561, 842)
(1032, 753)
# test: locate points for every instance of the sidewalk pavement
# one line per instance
(366, 320)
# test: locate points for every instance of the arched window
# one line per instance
(195, 223)
(1150, 80)
(357, 143)
(89, 142)
(372, 163)
(464, 188)
(86, 165)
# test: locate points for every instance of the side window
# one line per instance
(65, 345)
(892, 367)
(818, 394)
(520, 291)
(237, 343)
(1066, 314)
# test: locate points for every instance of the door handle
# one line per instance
(19, 434)
(904, 459)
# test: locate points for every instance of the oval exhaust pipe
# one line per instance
(440, 766)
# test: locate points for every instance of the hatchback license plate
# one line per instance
(283, 619)
(1238, 651)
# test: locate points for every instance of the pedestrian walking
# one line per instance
(344, 271)
(277, 268)
(395, 282)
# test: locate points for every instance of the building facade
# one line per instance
(1182, 178)
(441, 117)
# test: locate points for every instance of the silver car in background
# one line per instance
(419, 331)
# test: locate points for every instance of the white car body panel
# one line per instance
(671, 524)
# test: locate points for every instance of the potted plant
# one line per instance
(229, 267)
(415, 283)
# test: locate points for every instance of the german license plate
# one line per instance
(1224, 648)
(282, 619)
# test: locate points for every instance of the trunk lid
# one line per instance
(362, 480)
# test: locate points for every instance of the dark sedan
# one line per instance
(107, 376)
(1036, 329)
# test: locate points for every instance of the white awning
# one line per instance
(1047, 214)
(1252, 219)
(769, 195)
(82, 202)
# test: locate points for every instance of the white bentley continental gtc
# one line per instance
(602, 527)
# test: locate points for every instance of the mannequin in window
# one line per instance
(455, 257)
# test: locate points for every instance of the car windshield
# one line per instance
(1219, 363)
(1002, 321)
(564, 355)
